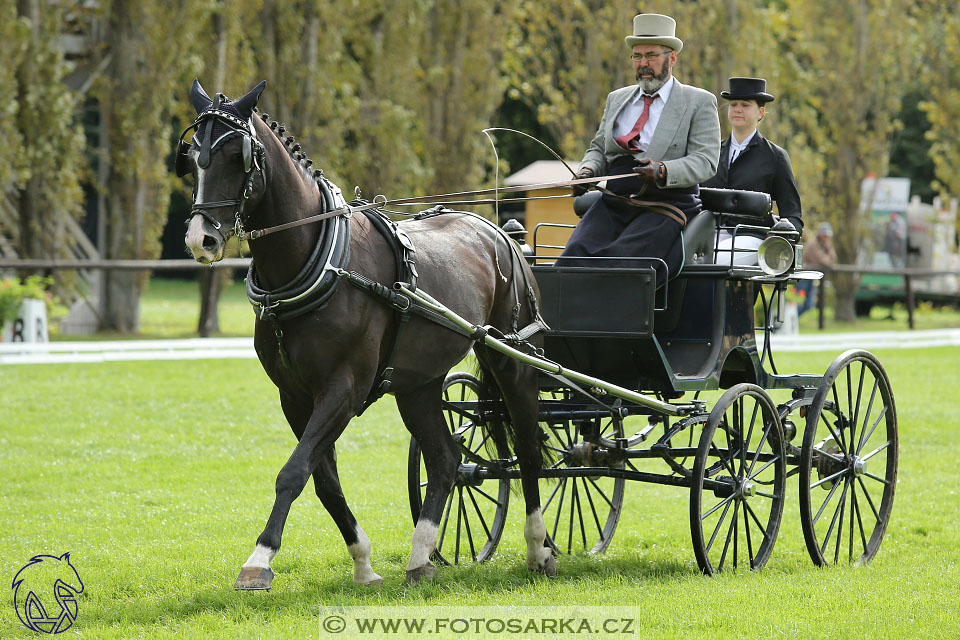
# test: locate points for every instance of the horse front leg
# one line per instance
(327, 421)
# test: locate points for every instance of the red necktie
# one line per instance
(632, 140)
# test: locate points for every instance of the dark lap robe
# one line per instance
(612, 228)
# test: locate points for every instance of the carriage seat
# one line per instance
(699, 236)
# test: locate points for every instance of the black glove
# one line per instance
(648, 170)
(580, 189)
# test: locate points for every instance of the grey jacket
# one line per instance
(686, 140)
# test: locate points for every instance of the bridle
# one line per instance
(253, 163)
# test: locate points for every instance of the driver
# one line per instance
(667, 133)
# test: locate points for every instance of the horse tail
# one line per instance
(503, 433)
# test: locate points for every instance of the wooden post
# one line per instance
(911, 301)
(821, 301)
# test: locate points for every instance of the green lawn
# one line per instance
(158, 477)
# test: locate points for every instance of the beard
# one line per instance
(651, 84)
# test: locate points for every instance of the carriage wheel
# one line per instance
(848, 462)
(581, 512)
(476, 510)
(739, 476)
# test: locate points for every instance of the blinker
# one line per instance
(247, 153)
(183, 159)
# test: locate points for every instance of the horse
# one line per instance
(332, 357)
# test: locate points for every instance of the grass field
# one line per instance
(158, 477)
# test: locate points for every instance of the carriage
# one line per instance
(644, 358)
(607, 376)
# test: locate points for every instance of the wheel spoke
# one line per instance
(600, 491)
(876, 451)
(763, 468)
(487, 496)
(730, 531)
(866, 415)
(874, 427)
(476, 507)
(836, 438)
(748, 509)
(877, 478)
(866, 494)
(456, 549)
(746, 441)
(593, 509)
(863, 536)
(716, 529)
(556, 523)
(843, 507)
(828, 478)
(466, 526)
(546, 505)
(833, 490)
(833, 522)
(772, 496)
(836, 402)
(717, 506)
(856, 410)
(446, 519)
(746, 528)
(723, 460)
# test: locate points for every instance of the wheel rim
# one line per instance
(848, 463)
(474, 515)
(737, 490)
(581, 512)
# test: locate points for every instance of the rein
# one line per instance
(379, 202)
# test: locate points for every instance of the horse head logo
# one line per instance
(45, 593)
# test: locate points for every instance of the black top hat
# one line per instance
(747, 89)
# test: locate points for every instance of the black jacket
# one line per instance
(765, 167)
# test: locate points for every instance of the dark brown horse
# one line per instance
(328, 360)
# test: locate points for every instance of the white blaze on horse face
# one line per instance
(363, 573)
(423, 544)
(261, 557)
(535, 532)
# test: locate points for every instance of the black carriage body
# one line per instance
(695, 334)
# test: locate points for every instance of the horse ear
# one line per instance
(198, 97)
(66, 556)
(246, 104)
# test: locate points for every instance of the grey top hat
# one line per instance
(747, 89)
(825, 229)
(654, 28)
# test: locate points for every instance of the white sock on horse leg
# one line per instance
(535, 532)
(261, 557)
(423, 543)
(363, 573)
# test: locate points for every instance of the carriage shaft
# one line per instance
(542, 364)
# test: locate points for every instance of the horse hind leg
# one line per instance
(422, 414)
(327, 484)
(518, 385)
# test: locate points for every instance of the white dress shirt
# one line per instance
(736, 148)
(632, 111)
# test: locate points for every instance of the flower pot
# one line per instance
(30, 324)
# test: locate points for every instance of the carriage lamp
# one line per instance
(775, 255)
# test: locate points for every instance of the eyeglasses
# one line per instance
(649, 56)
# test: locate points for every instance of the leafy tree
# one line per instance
(47, 144)
(942, 81)
(140, 47)
(846, 89)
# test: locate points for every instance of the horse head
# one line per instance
(46, 580)
(226, 159)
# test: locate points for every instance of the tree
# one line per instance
(47, 145)
(942, 81)
(845, 96)
(140, 39)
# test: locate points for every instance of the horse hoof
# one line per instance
(374, 582)
(549, 567)
(254, 579)
(426, 572)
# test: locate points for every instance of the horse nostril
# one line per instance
(209, 243)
